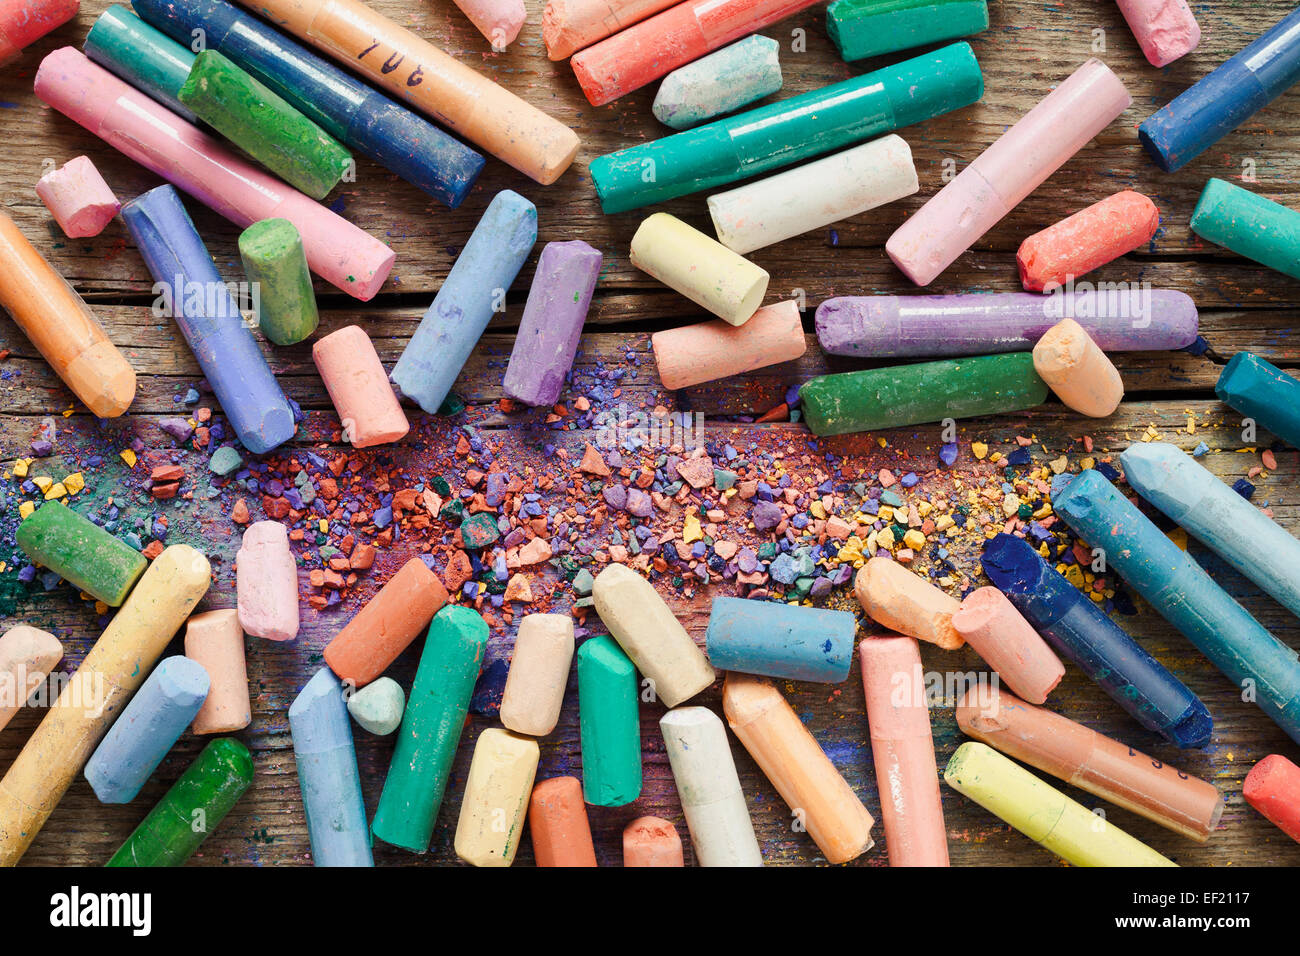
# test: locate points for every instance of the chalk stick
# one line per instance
(1273, 788)
(81, 552)
(990, 623)
(387, 624)
(863, 28)
(474, 288)
(89, 703)
(215, 640)
(159, 140)
(328, 778)
(378, 707)
(266, 582)
(150, 725)
(78, 198)
(651, 841)
(274, 260)
(896, 396)
(538, 675)
(194, 807)
(358, 387)
(431, 727)
(709, 789)
(609, 724)
(210, 319)
(570, 25)
(24, 22)
(143, 56)
(1085, 759)
(548, 335)
(1250, 225)
(61, 326)
(814, 195)
(1086, 240)
(1043, 813)
(722, 82)
(907, 603)
(650, 634)
(706, 351)
(498, 20)
(1187, 597)
(788, 131)
(1080, 631)
(27, 655)
(780, 640)
(983, 193)
(424, 76)
(1262, 391)
(501, 774)
(1222, 100)
(1165, 29)
(1078, 371)
(557, 822)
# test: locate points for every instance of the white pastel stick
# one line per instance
(721, 82)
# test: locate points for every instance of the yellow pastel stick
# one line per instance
(492, 812)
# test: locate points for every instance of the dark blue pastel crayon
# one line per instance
(780, 640)
(1262, 391)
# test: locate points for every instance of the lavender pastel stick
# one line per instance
(552, 324)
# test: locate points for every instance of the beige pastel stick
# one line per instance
(215, 640)
(707, 351)
(539, 673)
(651, 841)
(115, 667)
(990, 623)
(907, 603)
(27, 655)
(803, 775)
(1077, 370)
(492, 812)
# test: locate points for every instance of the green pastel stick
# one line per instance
(1249, 225)
(148, 59)
(194, 807)
(275, 262)
(915, 394)
(862, 28)
(81, 552)
(610, 724)
(264, 125)
(431, 728)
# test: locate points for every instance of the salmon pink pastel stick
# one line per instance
(904, 602)
(990, 623)
(1165, 29)
(651, 841)
(23, 22)
(1090, 238)
(570, 25)
(557, 818)
(215, 640)
(27, 655)
(78, 198)
(358, 386)
(498, 20)
(1273, 788)
(707, 351)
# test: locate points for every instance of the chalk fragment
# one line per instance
(780, 640)
(81, 552)
(491, 821)
(78, 198)
(1165, 29)
(990, 624)
(651, 841)
(378, 707)
(538, 675)
(723, 81)
(215, 640)
(557, 822)
(1079, 372)
(276, 264)
(1273, 788)
(1086, 240)
(706, 351)
(358, 388)
(27, 656)
(266, 582)
(1249, 224)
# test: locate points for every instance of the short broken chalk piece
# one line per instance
(78, 198)
(81, 552)
(863, 28)
(538, 675)
(814, 195)
(557, 821)
(609, 724)
(723, 81)
(548, 335)
(708, 351)
(498, 20)
(150, 725)
(907, 603)
(215, 640)
(700, 268)
(1273, 788)
(652, 841)
(358, 387)
(704, 771)
(1262, 391)
(27, 655)
(266, 583)
(650, 634)
(780, 640)
(500, 779)
(1165, 29)
(1078, 371)
(378, 706)
(1250, 225)
(276, 265)
(1092, 237)
(990, 623)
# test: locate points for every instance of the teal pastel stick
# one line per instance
(862, 28)
(1257, 662)
(1262, 391)
(148, 59)
(609, 723)
(1249, 225)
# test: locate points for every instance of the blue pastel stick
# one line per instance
(346, 108)
(1079, 630)
(209, 319)
(472, 291)
(328, 775)
(1262, 391)
(152, 722)
(1264, 668)
(780, 640)
(1223, 100)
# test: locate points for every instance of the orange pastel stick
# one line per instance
(557, 818)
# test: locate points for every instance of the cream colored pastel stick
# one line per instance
(27, 655)
(539, 673)
(492, 812)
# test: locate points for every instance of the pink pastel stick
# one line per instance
(266, 583)
(992, 625)
(78, 198)
(498, 20)
(358, 386)
(1165, 29)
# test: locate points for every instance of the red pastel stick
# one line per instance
(1273, 788)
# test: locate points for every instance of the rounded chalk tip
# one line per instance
(1265, 775)
(1194, 730)
(27, 643)
(275, 427)
(265, 533)
(604, 652)
(231, 756)
(182, 680)
(689, 718)
(190, 566)
(746, 697)
(101, 377)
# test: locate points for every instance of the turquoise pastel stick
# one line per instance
(862, 28)
(1263, 392)
(609, 723)
(1249, 225)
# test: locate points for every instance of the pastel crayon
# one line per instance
(1165, 29)
(419, 73)
(990, 623)
(538, 675)
(61, 326)
(1085, 759)
(27, 656)
(609, 724)
(704, 771)
(722, 82)
(1262, 391)
(863, 28)
(78, 198)
(651, 841)
(358, 387)
(150, 725)
(1080, 631)
(498, 20)
(650, 634)
(328, 777)
(210, 319)
(1043, 813)
(780, 640)
(387, 625)
(790, 757)
(500, 779)
(570, 25)
(706, 351)
(789, 130)
(474, 288)
(266, 582)
(346, 108)
(983, 193)
(1250, 225)
(893, 397)
(378, 707)
(215, 640)
(109, 674)
(907, 603)
(1273, 788)
(276, 263)
(548, 335)
(930, 326)
(902, 750)
(1222, 100)
(1188, 598)
(143, 56)
(195, 806)
(23, 22)
(431, 727)
(81, 552)
(814, 195)
(558, 824)
(1092, 237)
(159, 140)
(1077, 370)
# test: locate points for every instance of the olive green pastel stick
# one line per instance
(609, 723)
(264, 125)
(915, 394)
(194, 807)
(81, 552)
(431, 727)
(276, 265)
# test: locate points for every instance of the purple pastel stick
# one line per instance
(552, 323)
